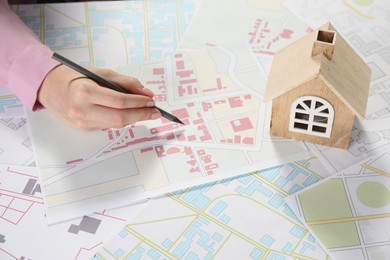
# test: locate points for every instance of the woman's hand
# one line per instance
(82, 103)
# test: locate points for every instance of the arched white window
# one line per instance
(311, 115)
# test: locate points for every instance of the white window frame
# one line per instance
(311, 115)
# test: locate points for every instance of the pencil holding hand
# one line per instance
(105, 83)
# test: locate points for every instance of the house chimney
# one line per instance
(324, 43)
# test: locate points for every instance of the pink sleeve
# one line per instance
(24, 60)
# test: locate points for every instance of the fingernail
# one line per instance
(150, 104)
(155, 115)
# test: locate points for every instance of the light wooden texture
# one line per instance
(339, 76)
(342, 122)
(324, 43)
(292, 66)
(346, 73)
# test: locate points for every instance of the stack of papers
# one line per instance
(218, 187)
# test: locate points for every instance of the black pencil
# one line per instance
(106, 83)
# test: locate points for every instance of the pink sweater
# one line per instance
(24, 60)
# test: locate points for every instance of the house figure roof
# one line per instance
(326, 55)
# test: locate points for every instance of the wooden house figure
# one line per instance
(317, 85)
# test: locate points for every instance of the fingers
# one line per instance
(129, 83)
(82, 103)
(96, 107)
(86, 90)
(99, 117)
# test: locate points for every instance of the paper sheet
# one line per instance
(216, 89)
(238, 218)
(220, 104)
(349, 212)
(24, 233)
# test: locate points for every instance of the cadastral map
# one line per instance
(242, 217)
(350, 212)
(220, 105)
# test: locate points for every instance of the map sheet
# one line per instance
(81, 34)
(342, 13)
(141, 31)
(15, 145)
(215, 89)
(24, 233)
(263, 26)
(238, 218)
(224, 119)
(349, 212)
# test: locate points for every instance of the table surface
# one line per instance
(246, 216)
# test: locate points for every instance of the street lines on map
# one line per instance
(365, 224)
(86, 249)
(223, 244)
(178, 25)
(15, 204)
(9, 254)
(114, 185)
(301, 256)
(303, 167)
(372, 168)
(142, 239)
(345, 2)
(103, 213)
(82, 165)
(63, 14)
(100, 155)
(21, 173)
(277, 188)
(220, 223)
(128, 228)
(120, 32)
(11, 96)
(348, 219)
(107, 187)
(146, 31)
(228, 228)
(60, 13)
(89, 34)
(42, 19)
(269, 183)
(232, 72)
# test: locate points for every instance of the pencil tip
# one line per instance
(177, 120)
